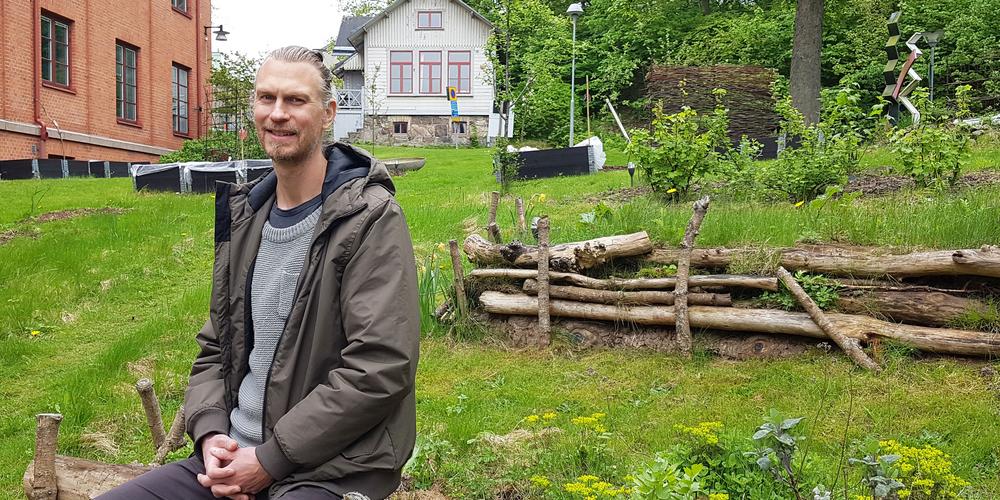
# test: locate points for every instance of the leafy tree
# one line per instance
(804, 78)
(363, 7)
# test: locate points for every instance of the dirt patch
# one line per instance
(875, 184)
(17, 232)
(77, 212)
(622, 195)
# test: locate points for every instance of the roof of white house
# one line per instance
(357, 36)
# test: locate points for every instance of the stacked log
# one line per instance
(878, 299)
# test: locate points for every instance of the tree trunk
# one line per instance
(921, 308)
(804, 78)
(841, 261)
(627, 298)
(573, 257)
(723, 280)
(862, 328)
(80, 479)
(706, 7)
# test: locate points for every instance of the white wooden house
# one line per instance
(410, 53)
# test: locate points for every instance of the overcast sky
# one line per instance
(257, 26)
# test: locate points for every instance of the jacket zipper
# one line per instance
(295, 298)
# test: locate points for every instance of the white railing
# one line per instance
(350, 98)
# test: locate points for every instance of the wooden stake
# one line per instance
(46, 438)
(522, 226)
(175, 439)
(683, 325)
(492, 226)
(152, 407)
(543, 275)
(849, 345)
(456, 267)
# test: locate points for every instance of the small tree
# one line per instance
(374, 100)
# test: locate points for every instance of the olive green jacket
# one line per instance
(339, 408)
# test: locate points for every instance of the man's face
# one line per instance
(288, 110)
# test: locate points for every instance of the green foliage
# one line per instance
(506, 164)
(664, 480)
(430, 283)
(777, 445)
(217, 146)
(821, 289)
(878, 474)
(932, 155)
(680, 149)
(429, 454)
(925, 472)
(823, 212)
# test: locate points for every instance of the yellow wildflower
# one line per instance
(799, 204)
(531, 419)
(540, 481)
(671, 190)
(549, 415)
(35, 333)
(718, 496)
(441, 247)
(541, 198)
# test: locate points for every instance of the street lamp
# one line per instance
(574, 11)
(220, 34)
(932, 38)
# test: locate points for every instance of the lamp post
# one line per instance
(574, 12)
(932, 38)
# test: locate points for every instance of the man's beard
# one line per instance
(293, 152)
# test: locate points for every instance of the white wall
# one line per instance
(461, 31)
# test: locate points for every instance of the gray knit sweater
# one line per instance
(280, 259)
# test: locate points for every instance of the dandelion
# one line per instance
(35, 333)
(799, 204)
(671, 190)
(531, 419)
(441, 247)
(541, 198)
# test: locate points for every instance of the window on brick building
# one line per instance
(400, 127)
(180, 99)
(180, 5)
(55, 50)
(460, 128)
(126, 59)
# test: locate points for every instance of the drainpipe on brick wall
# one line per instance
(43, 133)
(197, 64)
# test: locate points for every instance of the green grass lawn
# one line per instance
(114, 297)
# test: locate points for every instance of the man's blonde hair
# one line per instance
(296, 53)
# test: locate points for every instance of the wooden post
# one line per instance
(152, 407)
(491, 225)
(849, 345)
(522, 226)
(456, 267)
(175, 439)
(543, 275)
(46, 438)
(683, 324)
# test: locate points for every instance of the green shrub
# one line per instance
(821, 289)
(932, 155)
(505, 164)
(217, 146)
(682, 148)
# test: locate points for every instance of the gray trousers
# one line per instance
(179, 481)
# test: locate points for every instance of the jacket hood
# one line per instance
(344, 163)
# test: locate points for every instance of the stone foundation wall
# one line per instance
(423, 130)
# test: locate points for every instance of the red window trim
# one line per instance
(69, 53)
(460, 64)
(429, 17)
(125, 121)
(402, 72)
(430, 73)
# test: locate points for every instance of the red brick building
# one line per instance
(100, 80)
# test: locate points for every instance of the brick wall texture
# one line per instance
(163, 36)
